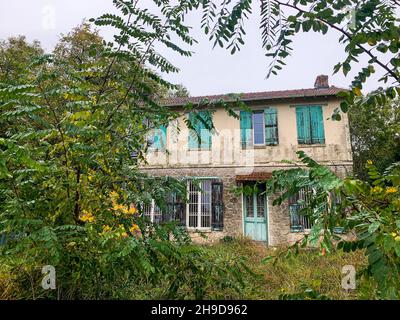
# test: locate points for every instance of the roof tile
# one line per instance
(252, 96)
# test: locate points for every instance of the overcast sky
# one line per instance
(208, 71)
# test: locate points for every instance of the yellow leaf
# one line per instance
(357, 91)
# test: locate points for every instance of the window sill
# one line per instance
(314, 145)
(157, 151)
(260, 147)
(300, 231)
(204, 230)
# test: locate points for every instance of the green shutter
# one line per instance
(245, 128)
(217, 206)
(205, 133)
(303, 125)
(200, 131)
(160, 138)
(317, 125)
(271, 126)
(193, 141)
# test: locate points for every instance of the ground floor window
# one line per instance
(199, 204)
(203, 208)
(152, 212)
(299, 222)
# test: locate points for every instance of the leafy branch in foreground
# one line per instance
(369, 212)
(366, 28)
(74, 129)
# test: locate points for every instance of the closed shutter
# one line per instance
(303, 125)
(217, 210)
(160, 138)
(193, 141)
(317, 125)
(246, 128)
(200, 131)
(271, 126)
(205, 133)
(176, 209)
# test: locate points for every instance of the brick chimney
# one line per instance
(321, 82)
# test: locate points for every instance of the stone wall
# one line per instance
(278, 216)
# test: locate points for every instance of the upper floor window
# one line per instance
(310, 125)
(158, 139)
(259, 128)
(200, 137)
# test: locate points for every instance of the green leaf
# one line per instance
(374, 226)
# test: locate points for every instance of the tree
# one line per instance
(15, 56)
(366, 27)
(375, 135)
(180, 92)
(367, 208)
(71, 191)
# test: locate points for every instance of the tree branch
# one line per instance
(349, 36)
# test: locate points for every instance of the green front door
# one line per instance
(255, 216)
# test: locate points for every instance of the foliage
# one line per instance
(367, 210)
(375, 135)
(264, 281)
(180, 92)
(114, 265)
(367, 28)
(306, 294)
(15, 56)
(74, 132)
(292, 275)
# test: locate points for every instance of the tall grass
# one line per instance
(288, 275)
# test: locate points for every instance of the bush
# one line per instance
(156, 262)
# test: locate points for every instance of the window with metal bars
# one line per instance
(203, 208)
(152, 212)
(199, 204)
(299, 222)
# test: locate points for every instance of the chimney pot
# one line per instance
(321, 82)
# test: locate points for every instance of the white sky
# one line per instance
(208, 71)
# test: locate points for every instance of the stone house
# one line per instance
(244, 150)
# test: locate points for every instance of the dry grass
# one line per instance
(287, 276)
(290, 275)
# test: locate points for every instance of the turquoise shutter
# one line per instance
(303, 125)
(245, 128)
(205, 133)
(200, 131)
(271, 126)
(317, 125)
(163, 132)
(193, 141)
(205, 139)
(160, 138)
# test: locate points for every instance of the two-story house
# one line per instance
(244, 150)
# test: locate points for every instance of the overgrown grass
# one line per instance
(290, 275)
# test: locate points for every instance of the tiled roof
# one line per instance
(254, 96)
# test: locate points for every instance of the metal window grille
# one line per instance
(299, 222)
(202, 209)
(199, 203)
(152, 212)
